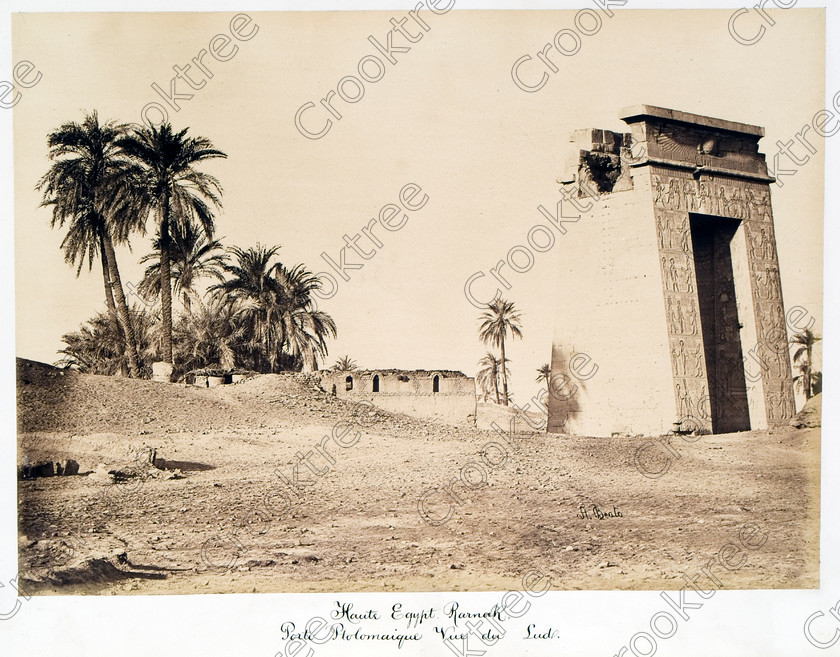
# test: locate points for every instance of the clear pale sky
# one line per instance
(446, 117)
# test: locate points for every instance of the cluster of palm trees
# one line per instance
(808, 380)
(105, 183)
(498, 320)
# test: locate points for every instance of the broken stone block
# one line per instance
(67, 468)
(37, 469)
(162, 372)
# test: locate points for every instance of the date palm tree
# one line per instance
(345, 364)
(250, 286)
(175, 192)
(192, 257)
(305, 328)
(544, 374)
(87, 173)
(276, 307)
(488, 376)
(802, 358)
(500, 318)
(97, 347)
(208, 337)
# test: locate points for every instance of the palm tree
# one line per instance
(97, 347)
(345, 364)
(192, 257)
(86, 174)
(253, 290)
(544, 374)
(175, 192)
(305, 329)
(208, 337)
(276, 307)
(500, 318)
(488, 377)
(802, 358)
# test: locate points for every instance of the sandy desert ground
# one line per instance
(213, 516)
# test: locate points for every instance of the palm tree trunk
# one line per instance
(309, 362)
(166, 284)
(806, 376)
(504, 373)
(122, 309)
(112, 308)
(496, 384)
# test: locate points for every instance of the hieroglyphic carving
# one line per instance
(679, 284)
(766, 282)
(682, 316)
(780, 404)
(735, 200)
(684, 400)
(674, 233)
(761, 243)
(676, 193)
(679, 273)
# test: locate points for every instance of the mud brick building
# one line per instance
(440, 395)
(670, 280)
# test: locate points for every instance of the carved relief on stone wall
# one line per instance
(679, 285)
(761, 242)
(677, 193)
(681, 313)
(679, 190)
(779, 403)
(705, 148)
(687, 357)
(766, 282)
(677, 273)
(771, 319)
(772, 351)
(673, 232)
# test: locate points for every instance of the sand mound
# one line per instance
(55, 401)
(811, 414)
(104, 569)
(50, 399)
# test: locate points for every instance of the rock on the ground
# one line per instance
(65, 467)
(811, 414)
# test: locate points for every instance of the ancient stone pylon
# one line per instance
(669, 282)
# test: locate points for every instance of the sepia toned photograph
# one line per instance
(419, 300)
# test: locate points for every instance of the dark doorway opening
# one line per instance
(376, 383)
(711, 239)
(348, 383)
(436, 384)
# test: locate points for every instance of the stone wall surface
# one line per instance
(442, 396)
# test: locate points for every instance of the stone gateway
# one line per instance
(681, 301)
